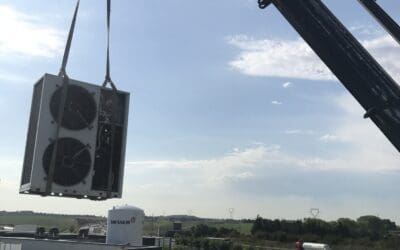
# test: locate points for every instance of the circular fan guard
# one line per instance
(80, 107)
(72, 164)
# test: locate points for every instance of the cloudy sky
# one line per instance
(230, 108)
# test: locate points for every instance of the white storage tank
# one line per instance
(125, 226)
(315, 246)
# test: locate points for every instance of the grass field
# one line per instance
(151, 225)
(65, 223)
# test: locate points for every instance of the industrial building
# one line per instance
(124, 231)
(24, 243)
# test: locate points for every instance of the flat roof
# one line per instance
(69, 241)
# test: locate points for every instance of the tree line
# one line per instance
(366, 232)
(366, 227)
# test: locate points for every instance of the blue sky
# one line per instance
(230, 108)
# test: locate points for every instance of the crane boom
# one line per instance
(358, 71)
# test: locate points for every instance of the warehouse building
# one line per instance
(124, 232)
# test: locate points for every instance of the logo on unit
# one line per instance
(124, 222)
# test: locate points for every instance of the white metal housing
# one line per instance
(42, 133)
(125, 226)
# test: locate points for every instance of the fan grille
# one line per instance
(72, 163)
(80, 107)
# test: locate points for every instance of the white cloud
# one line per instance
(236, 159)
(258, 175)
(9, 185)
(286, 85)
(24, 35)
(15, 78)
(275, 102)
(369, 148)
(387, 52)
(295, 59)
(299, 132)
(366, 30)
(278, 58)
(366, 150)
(245, 164)
(265, 175)
(164, 164)
(236, 165)
(328, 138)
(238, 176)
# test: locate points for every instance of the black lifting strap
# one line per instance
(108, 75)
(61, 108)
(115, 108)
(69, 41)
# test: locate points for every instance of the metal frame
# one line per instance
(382, 17)
(358, 71)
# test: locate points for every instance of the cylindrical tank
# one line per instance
(315, 246)
(125, 226)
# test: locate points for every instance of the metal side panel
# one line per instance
(31, 135)
(107, 119)
(45, 132)
(123, 149)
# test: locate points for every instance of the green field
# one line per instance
(71, 223)
(161, 225)
(65, 223)
(165, 224)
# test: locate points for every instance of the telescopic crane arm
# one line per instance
(358, 71)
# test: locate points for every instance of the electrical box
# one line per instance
(89, 159)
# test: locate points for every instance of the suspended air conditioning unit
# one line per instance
(89, 162)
